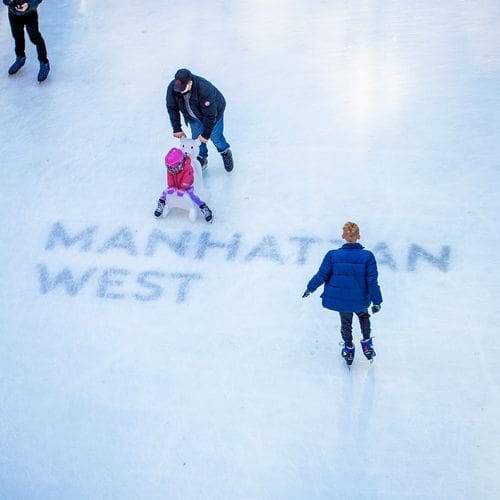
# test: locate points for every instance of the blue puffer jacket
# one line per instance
(32, 5)
(350, 277)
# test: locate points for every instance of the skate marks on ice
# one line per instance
(354, 438)
(172, 259)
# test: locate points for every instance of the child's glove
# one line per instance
(180, 192)
(170, 191)
(376, 308)
(306, 293)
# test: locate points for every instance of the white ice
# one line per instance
(177, 360)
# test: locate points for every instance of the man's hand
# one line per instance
(376, 308)
(179, 135)
(202, 139)
(21, 8)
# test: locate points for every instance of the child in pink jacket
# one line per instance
(180, 179)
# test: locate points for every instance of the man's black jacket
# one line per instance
(206, 102)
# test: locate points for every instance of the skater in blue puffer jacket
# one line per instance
(350, 277)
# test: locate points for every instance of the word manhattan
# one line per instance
(190, 245)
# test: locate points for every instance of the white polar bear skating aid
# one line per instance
(191, 147)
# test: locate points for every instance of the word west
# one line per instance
(112, 283)
(189, 245)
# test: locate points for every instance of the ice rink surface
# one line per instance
(164, 359)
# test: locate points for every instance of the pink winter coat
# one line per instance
(184, 179)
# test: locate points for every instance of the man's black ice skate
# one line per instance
(207, 213)
(159, 208)
(44, 71)
(18, 64)
(368, 351)
(227, 158)
(348, 354)
(203, 161)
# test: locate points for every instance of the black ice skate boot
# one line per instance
(160, 207)
(18, 64)
(348, 354)
(44, 71)
(203, 161)
(207, 213)
(227, 158)
(368, 350)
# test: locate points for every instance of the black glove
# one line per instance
(306, 293)
(376, 308)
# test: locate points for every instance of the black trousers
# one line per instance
(346, 326)
(30, 20)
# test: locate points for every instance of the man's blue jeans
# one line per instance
(217, 136)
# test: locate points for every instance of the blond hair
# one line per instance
(350, 232)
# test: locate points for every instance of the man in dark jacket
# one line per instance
(23, 14)
(351, 284)
(202, 106)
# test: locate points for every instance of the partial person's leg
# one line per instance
(346, 331)
(35, 36)
(364, 324)
(196, 130)
(218, 138)
(192, 194)
(207, 213)
(367, 342)
(222, 145)
(346, 328)
(17, 29)
(161, 203)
